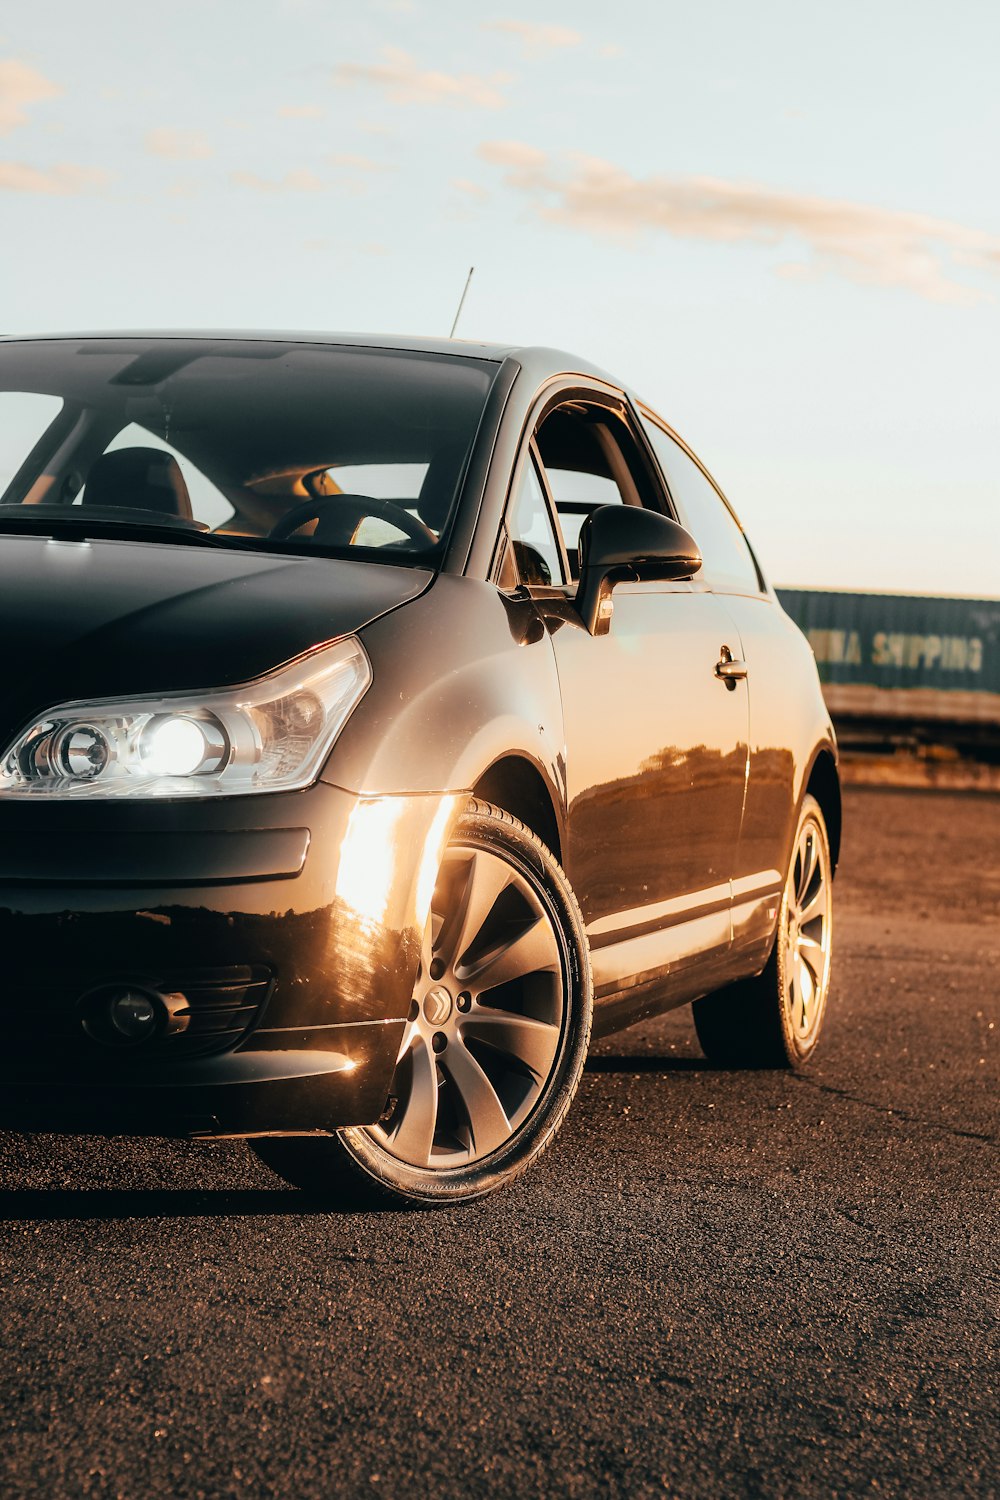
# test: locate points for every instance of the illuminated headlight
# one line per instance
(271, 735)
(177, 745)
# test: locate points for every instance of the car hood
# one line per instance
(100, 619)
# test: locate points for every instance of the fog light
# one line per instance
(125, 1015)
(133, 1015)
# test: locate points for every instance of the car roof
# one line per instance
(536, 359)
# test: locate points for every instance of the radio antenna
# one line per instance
(461, 303)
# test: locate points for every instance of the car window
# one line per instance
(533, 539)
(727, 563)
(24, 417)
(400, 483)
(589, 460)
(263, 444)
(208, 504)
(575, 495)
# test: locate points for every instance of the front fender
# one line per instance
(462, 677)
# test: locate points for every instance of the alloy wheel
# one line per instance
(807, 933)
(486, 1021)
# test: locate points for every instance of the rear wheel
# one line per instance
(774, 1019)
(495, 1041)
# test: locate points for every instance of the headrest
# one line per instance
(140, 478)
(440, 483)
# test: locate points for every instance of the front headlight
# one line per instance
(272, 735)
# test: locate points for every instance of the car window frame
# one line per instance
(565, 391)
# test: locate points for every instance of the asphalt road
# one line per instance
(714, 1284)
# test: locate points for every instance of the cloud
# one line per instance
(301, 112)
(178, 145)
(17, 177)
(515, 154)
(470, 189)
(325, 246)
(864, 243)
(300, 180)
(350, 161)
(535, 37)
(21, 86)
(406, 82)
(353, 172)
(376, 127)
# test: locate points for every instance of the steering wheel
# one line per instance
(350, 510)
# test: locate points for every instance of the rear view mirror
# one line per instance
(619, 542)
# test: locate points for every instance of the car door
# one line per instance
(730, 570)
(656, 743)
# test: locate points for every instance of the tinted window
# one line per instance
(24, 417)
(231, 437)
(400, 483)
(727, 563)
(207, 503)
(388, 481)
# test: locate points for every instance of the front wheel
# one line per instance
(774, 1019)
(496, 1038)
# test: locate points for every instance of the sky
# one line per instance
(779, 224)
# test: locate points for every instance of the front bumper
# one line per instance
(290, 925)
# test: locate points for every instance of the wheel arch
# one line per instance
(514, 783)
(824, 785)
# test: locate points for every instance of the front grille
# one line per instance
(44, 1016)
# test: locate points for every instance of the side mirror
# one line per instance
(619, 542)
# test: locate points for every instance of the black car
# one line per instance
(379, 716)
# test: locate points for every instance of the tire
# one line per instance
(495, 1042)
(774, 1019)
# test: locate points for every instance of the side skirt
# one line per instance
(643, 976)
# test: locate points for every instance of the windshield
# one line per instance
(269, 445)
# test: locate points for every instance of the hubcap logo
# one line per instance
(437, 1005)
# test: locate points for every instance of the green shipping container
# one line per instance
(903, 656)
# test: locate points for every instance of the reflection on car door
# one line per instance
(778, 686)
(656, 747)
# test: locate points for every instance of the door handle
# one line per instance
(729, 668)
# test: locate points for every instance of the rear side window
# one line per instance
(727, 562)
